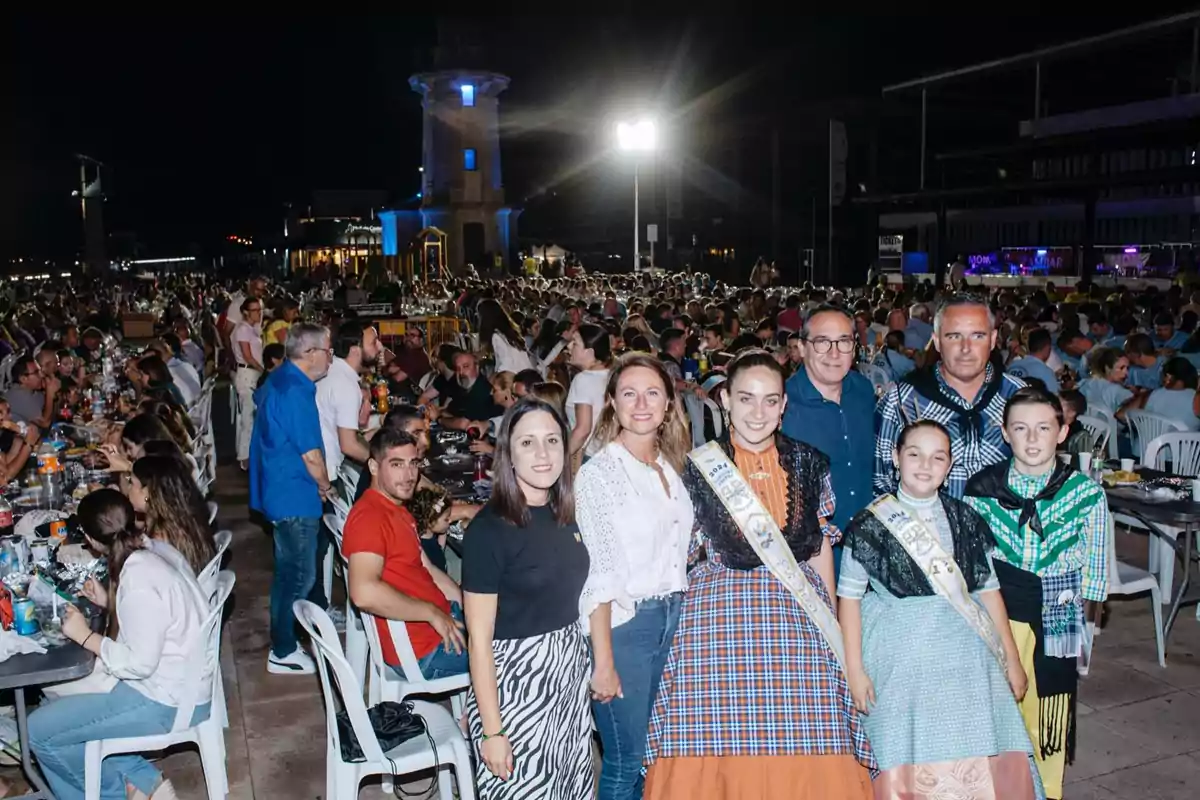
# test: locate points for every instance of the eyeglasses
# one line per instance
(326, 350)
(823, 345)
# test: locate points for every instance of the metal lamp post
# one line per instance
(637, 137)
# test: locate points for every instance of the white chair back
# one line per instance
(351, 474)
(330, 659)
(213, 509)
(1144, 426)
(206, 656)
(1183, 449)
(6, 380)
(1099, 427)
(717, 416)
(208, 576)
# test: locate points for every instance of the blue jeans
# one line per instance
(295, 573)
(442, 663)
(640, 649)
(60, 730)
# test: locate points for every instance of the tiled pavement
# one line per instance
(1139, 725)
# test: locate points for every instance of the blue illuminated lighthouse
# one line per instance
(463, 189)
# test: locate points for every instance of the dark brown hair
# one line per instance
(508, 501)
(108, 518)
(175, 510)
(1033, 396)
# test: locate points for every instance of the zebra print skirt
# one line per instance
(544, 703)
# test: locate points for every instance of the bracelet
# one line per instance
(501, 732)
(87, 639)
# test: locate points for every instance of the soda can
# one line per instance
(58, 532)
(24, 618)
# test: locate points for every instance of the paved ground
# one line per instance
(1139, 726)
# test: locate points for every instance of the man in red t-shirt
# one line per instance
(390, 576)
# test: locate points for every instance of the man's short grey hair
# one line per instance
(304, 337)
(962, 301)
(919, 311)
(825, 308)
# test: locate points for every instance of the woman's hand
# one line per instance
(75, 625)
(606, 684)
(93, 590)
(1017, 680)
(117, 462)
(496, 752)
(861, 689)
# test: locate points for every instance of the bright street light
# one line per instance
(637, 137)
(641, 136)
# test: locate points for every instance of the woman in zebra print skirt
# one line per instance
(524, 566)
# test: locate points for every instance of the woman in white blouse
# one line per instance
(636, 520)
(497, 330)
(151, 634)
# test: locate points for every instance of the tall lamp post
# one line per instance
(637, 137)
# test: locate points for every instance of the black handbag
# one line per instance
(393, 723)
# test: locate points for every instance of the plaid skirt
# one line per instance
(750, 674)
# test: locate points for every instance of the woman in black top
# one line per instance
(524, 566)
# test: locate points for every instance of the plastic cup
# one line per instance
(1127, 465)
(1085, 462)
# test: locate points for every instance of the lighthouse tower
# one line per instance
(463, 191)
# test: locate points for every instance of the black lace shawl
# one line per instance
(805, 467)
(886, 560)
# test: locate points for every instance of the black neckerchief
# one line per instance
(925, 382)
(992, 482)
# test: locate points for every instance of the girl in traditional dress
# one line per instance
(935, 674)
(753, 702)
(524, 566)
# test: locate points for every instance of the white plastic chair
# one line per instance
(1145, 426)
(213, 508)
(879, 377)
(350, 474)
(387, 685)
(342, 778)
(1126, 579)
(207, 735)
(1114, 426)
(1099, 427)
(1183, 452)
(357, 646)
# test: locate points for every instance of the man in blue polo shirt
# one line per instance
(289, 481)
(832, 408)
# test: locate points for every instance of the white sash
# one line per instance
(763, 534)
(939, 567)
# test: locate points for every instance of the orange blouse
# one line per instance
(767, 478)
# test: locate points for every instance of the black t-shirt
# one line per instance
(537, 571)
(475, 403)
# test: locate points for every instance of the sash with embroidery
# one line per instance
(939, 567)
(763, 534)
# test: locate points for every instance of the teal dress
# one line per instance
(940, 693)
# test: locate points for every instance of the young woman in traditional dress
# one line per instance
(636, 519)
(524, 566)
(753, 702)
(929, 652)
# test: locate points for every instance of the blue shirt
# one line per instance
(1176, 342)
(896, 363)
(1034, 367)
(286, 426)
(917, 334)
(843, 431)
(1146, 377)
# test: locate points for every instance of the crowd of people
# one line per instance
(763, 542)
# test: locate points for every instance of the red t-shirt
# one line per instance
(377, 525)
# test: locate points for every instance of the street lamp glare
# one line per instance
(642, 135)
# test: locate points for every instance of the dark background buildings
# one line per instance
(207, 128)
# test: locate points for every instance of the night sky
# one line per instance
(208, 127)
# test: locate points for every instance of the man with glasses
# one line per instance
(289, 482)
(247, 345)
(831, 407)
(32, 397)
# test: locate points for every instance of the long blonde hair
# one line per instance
(674, 440)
